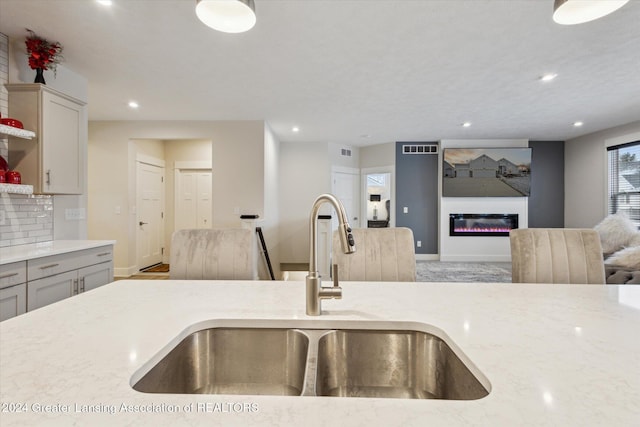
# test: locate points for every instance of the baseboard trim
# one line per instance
(125, 272)
(427, 257)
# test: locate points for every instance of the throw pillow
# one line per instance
(616, 231)
(628, 258)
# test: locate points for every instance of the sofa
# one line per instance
(620, 241)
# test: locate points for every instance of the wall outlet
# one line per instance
(3, 217)
(74, 214)
(405, 209)
(419, 243)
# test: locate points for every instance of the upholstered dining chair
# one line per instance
(382, 254)
(212, 254)
(556, 255)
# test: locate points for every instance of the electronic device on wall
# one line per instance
(486, 172)
(374, 197)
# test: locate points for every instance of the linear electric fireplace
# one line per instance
(482, 224)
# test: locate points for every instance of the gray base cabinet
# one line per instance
(13, 289)
(35, 283)
(13, 301)
(51, 289)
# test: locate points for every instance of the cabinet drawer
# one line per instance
(48, 266)
(95, 255)
(13, 274)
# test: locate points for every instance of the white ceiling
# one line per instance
(403, 70)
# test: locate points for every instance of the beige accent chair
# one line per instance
(212, 254)
(382, 254)
(556, 255)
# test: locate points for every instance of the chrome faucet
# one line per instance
(315, 291)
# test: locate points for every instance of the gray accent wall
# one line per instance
(546, 202)
(417, 189)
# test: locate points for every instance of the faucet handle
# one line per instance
(334, 274)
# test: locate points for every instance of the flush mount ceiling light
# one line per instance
(570, 12)
(229, 16)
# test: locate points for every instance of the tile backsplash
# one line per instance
(23, 218)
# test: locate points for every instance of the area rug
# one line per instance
(158, 268)
(439, 271)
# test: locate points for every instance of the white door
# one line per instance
(193, 199)
(150, 219)
(346, 187)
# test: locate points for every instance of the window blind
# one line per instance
(624, 180)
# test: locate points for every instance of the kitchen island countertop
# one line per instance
(559, 355)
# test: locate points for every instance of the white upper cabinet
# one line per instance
(53, 162)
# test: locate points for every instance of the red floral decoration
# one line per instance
(43, 53)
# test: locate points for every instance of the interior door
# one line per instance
(346, 187)
(193, 199)
(150, 218)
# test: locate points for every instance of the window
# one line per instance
(624, 180)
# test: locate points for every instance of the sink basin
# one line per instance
(392, 364)
(232, 361)
(342, 359)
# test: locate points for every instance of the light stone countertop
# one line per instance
(554, 355)
(54, 247)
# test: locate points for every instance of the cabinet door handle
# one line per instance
(5, 276)
(104, 254)
(48, 176)
(75, 286)
(82, 284)
(44, 267)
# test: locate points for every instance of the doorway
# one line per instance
(378, 204)
(150, 211)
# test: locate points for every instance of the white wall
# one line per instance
(585, 174)
(305, 173)
(478, 248)
(337, 159)
(237, 161)
(270, 222)
(380, 155)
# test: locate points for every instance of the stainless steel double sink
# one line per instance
(358, 361)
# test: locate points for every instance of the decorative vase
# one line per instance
(40, 76)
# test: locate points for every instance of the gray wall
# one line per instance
(417, 189)
(546, 203)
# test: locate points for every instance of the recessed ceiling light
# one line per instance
(577, 124)
(548, 77)
(133, 104)
(466, 124)
(295, 129)
(105, 2)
